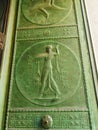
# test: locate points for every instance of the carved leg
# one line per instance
(50, 84)
(45, 12)
(55, 88)
(42, 91)
(44, 82)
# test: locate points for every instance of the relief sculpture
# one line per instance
(51, 76)
(47, 71)
(45, 12)
(45, 4)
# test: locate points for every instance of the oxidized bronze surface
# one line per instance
(50, 68)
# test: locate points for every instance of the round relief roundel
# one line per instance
(45, 12)
(48, 73)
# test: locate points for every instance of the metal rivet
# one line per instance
(47, 122)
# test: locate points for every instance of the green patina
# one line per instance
(51, 71)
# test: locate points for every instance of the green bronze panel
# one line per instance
(50, 68)
(45, 85)
(45, 12)
(61, 120)
(41, 33)
(29, 63)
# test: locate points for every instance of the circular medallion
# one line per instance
(46, 12)
(48, 73)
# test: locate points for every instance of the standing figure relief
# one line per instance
(47, 77)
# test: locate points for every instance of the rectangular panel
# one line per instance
(51, 84)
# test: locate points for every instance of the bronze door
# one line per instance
(51, 84)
